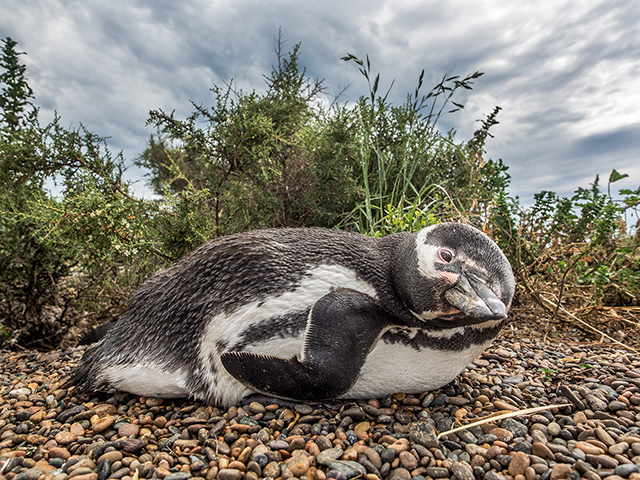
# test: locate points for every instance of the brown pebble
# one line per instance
(598, 444)
(114, 456)
(362, 430)
(236, 465)
(500, 405)
(503, 434)
(154, 402)
(560, 471)
(76, 429)
(580, 417)
(350, 454)
(589, 448)
(101, 424)
(160, 422)
(494, 451)
(591, 475)
(408, 461)
(542, 451)
(461, 471)
(400, 474)
(519, 462)
(602, 461)
(162, 472)
(128, 429)
(618, 448)
(400, 445)
(105, 409)
(244, 455)
(65, 438)
(605, 437)
(59, 452)
(37, 417)
(36, 439)
(298, 465)
(529, 473)
(86, 476)
(374, 457)
(272, 469)
(85, 463)
(296, 443)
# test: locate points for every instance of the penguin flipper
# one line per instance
(342, 329)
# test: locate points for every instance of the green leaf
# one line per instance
(615, 176)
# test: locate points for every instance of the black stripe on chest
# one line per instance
(420, 339)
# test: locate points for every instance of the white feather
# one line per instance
(426, 253)
(408, 370)
(147, 380)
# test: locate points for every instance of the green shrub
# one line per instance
(273, 159)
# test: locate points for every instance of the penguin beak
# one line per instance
(472, 296)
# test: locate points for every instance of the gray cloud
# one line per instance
(564, 72)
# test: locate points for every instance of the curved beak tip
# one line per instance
(473, 297)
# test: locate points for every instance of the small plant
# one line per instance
(549, 373)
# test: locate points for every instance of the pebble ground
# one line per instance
(48, 433)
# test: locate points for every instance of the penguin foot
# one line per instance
(290, 404)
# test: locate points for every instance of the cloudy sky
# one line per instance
(565, 73)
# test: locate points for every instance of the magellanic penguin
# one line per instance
(308, 315)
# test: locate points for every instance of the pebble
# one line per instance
(518, 464)
(424, 434)
(347, 467)
(561, 470)
(47, 433)
(462, 471)
(400, 474)
(298, 465)
(626, 469)
(437, 472)
(128, 429)
(329, 454)
(101, 424)
(589, 448)
(224, 474)
(542, 451)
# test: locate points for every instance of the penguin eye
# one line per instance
(445, 256)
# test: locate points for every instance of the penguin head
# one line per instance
(454, 275)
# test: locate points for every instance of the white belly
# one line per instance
(392, 368)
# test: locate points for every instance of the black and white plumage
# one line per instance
(309, 315)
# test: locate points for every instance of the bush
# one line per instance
(273, 159)
(574, 251)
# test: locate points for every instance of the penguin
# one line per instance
(308, 315)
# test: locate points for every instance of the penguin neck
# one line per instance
(402, 260)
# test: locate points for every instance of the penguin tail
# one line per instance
(84, 376)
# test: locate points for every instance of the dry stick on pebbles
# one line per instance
(47, 433)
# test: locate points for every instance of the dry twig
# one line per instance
(582, 322)
(501, 416)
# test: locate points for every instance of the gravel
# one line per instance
(48, 433)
